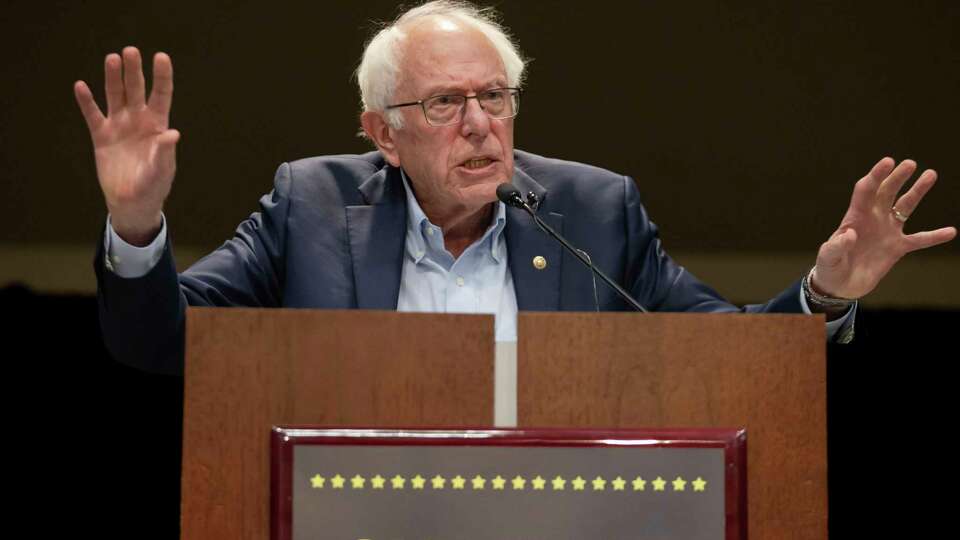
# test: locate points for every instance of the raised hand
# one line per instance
(134, 148)
(870, 239)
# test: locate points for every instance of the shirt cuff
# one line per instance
(838, 330)
(129, 261)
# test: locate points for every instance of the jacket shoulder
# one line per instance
(328, 178)
(342, 165)
(572, 184)
(553, 169)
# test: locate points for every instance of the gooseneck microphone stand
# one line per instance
(509, 194)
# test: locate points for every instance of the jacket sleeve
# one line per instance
(143, 319)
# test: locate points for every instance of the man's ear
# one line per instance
(380, 132)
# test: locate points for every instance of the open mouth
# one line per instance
(475, 164)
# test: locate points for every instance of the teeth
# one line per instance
(476, 163)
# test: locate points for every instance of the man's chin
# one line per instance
(477, 195)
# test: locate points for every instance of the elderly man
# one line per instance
(416, 225)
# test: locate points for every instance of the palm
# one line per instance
(870, 239)
(134, 149)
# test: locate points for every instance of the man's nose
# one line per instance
(475, 119)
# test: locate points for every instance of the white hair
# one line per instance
(380, 66)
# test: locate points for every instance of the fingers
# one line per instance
(125, 84)
(865, 190)
(925, 239)
(881, 170)
(161, 95)
(88, 106)
(909, 201)
(891, 185)
(112, 67)
(133, 77)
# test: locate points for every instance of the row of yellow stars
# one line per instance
(499, 483)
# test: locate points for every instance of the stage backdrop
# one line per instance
(745, 126)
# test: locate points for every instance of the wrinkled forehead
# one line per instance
(444, 54)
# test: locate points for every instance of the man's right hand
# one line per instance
(134, 148)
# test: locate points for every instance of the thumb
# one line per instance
(833, 251)
(167, 149)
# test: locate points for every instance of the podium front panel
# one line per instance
(766, 373)
(250, 369)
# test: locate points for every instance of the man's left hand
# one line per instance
(870, 239)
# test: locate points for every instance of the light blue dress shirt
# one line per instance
(479, 281)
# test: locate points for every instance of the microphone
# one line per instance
(510, 195)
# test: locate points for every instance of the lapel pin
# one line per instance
(539, 262)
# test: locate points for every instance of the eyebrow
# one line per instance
(443, 90)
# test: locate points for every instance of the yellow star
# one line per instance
(659, 483)
(538, 482)
(337, 481)
(378, 481)
(558, 483)
(417, 481)
(317, 481)
(699, 484)
(458, 482)
(438, 482)
(478, 482)
(679, 484)
(578, 483)
(518, 482)
(357, 482)
(639, 484)
(618, 483)
(397, 482)
(599, 484)
(498, 482)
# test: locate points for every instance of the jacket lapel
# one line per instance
(537, 290)
(377, 232)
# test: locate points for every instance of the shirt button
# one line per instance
(459, 281)
(419, 254)
(430, 231)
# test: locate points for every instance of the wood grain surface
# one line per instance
(249, 369)
(766, 373)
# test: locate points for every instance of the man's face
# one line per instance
(453, 168)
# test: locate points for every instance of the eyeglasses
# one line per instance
(498, 103)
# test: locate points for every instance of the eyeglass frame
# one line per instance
(459, 118)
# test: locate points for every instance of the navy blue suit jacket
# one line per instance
(331, 235)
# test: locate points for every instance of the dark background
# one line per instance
(744, 123)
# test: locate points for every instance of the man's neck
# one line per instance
(461, 226)
(460, 230)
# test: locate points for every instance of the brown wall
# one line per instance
(745, 126)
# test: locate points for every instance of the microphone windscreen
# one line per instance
(509, 194)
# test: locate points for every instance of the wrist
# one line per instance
(137, 232)
(821, 302)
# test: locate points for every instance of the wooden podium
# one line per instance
(248, 370)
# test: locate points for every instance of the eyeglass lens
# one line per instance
(442, 110)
